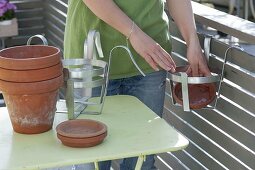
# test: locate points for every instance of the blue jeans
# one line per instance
(151, 91)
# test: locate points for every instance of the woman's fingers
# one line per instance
(205, 70)
(162, 58)
(202, 70)
(161, 61)
(166, 59)
(194, 68)
(151, 62)
(151, 51)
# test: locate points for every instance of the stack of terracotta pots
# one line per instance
(30, 77)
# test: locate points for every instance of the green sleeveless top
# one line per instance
(149, 15)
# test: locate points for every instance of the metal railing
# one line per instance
(222, 138)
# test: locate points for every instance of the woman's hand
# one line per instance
(181, 12)
(151, 51)
(144, 45)
(197, 61)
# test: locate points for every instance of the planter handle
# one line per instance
(223, 69)
(44, 40)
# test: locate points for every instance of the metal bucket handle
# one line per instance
(207, 47)
(44, 40)
(130, 55)
(223, 69)
(91, 44)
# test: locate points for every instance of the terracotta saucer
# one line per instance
(81, 128)
(82, 142)
(200, 95)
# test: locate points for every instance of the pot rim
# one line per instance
(25, 59)
(28, 88)
(29, 63)
(75, 125)
(33, 75)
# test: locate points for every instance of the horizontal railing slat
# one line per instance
(235, 56)
(214, 142)
(230, 24)
(62, 6)
(238, 115)
(28, 13)
(54, 29)
(234, 74)
(239, 97)
(31, 22)
(192, 129)
(54, 19)
(173, 160)
(54, 11)
(28, 4)
(242, 117)
(54, 40)
(164, 162)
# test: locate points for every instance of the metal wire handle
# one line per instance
(130, 55)
(44, 40)
(223, 69)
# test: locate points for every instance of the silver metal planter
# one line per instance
(82, 75)
(184, 80)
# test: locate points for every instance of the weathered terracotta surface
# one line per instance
(31, 88)
(200, 95)
(31, 114)
(31, 75)
(81, 128)
(81, 132)
(29, 57)
(31, 106)
(82, 142)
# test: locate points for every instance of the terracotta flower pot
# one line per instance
(31, 106)
(31, 75)
(31, 87)
(200, 95)
(29, 57)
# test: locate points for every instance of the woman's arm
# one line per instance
(182, 13)
(144, 45)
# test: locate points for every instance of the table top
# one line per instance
(133, 130)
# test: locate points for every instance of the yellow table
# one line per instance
(133, 130)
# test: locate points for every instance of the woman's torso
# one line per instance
(147, 14)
